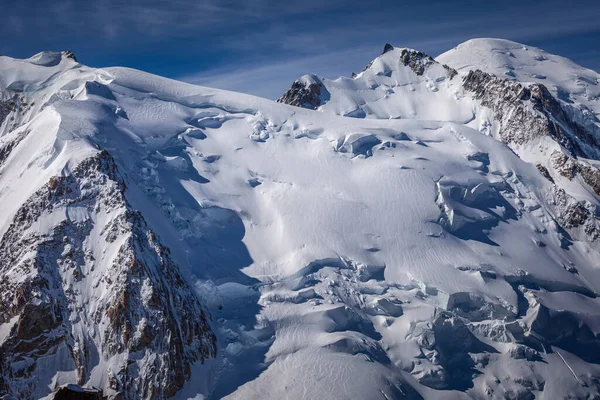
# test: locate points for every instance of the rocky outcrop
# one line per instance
(574, 214)
(570, 168)
(8, 143)
(14, 111)
(563, 164)
(387, 47)
(87, 284)
(544, 171)
(69, 54)
(590, 176)
(74, 392)
(306, 92)
(416, 60)
(7, 106)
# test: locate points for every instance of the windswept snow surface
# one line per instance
(401, 255)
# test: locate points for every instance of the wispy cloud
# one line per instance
(261, 46)
(277, 23)
(274, 78)
(150, 17)
(336, 50)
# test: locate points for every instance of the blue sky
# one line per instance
(261, 46)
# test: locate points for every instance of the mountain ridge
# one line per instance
(404, 233)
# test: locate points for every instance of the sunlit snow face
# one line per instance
(385, 243)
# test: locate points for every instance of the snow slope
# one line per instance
(568, 81)
(400, 255)
(576, 88)
(389, 88)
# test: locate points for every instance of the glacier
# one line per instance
(427, 228)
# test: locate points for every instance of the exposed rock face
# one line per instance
(451, 71)
(307, 92)
(74, 392)
(69, 54)
(15, 110)
(563, 164)
(7, 106)
(590, 175)
(525, 113)
(126, 310)
(570, 167)
(528, 112)
(573, 213)
(120, 316)
(8, 143)
(544, 171)
(416, 60)
(387, 47)
(576, 214)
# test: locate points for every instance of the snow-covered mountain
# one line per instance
(424, 229)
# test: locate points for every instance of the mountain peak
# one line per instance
(307, 91)
(387, 48)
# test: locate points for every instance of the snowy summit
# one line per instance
(424, 229)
